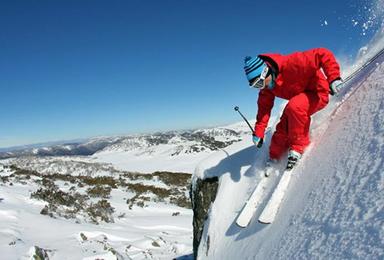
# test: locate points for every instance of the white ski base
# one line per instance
(251, 205)
(270, 211)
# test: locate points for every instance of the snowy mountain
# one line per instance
(177, 152)
(83, 147)
(169, 151)
(333, 208)
(189, 141)
(199, 140)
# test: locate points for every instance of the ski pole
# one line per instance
(238, 110)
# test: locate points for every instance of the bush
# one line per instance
(101, 180)
(176, 179)
(99, 191)
(102, 210)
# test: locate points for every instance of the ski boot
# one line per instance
(293, 158)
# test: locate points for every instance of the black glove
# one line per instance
(257, 141)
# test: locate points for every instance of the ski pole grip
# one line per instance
(260, 143)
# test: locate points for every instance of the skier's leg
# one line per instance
(279, 142)
(298, 122)
(299, 110)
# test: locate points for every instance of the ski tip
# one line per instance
(264, 221)
(242, 222)
(241, 225)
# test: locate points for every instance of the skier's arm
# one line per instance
(265, 104)
(325, 60)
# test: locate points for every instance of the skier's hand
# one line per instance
(336, 86)
(257, 141)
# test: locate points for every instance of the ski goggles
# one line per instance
(260, 81)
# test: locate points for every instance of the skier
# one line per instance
(305, 79)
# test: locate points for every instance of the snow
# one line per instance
(148, 231)
(162, 157)
(147, 163)
(333, 208)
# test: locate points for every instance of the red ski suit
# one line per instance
(303, 78)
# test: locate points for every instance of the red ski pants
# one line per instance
(293, 129)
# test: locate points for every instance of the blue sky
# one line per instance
(75, 69)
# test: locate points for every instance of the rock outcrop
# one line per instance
(203, 193)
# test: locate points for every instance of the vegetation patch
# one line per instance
(75, 198)
(172, 195)
(100, 180)
(99, 191)
(64, 204)
(4, 179)
(101, 211)
(57, 197)
(172, 178)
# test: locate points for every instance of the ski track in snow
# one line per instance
(334, 206)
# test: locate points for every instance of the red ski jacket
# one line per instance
(309, 71)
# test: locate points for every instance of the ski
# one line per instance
(251, 205)
(270, 211)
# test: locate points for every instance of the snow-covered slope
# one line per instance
(334, 206)
(120, 216)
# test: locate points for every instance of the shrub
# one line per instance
(102, 210)
(172, 178)
(99, 191)
(101, 180)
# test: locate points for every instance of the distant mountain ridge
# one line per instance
(87, 147)
(188, 141)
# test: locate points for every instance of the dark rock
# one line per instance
(202, 196)
(41, 254)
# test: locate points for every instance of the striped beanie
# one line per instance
(253, 67)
